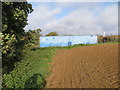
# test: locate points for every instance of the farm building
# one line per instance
(49, 41)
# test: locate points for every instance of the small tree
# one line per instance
(32, 36)
(52, 34)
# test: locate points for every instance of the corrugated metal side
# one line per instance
(49, 41)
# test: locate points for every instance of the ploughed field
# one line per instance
(85, 67)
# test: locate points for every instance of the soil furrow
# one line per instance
(85, 67)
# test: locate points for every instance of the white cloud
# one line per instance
(40, 16)
(79, 21)
(84, 21)
(109, 16)
(108, 19)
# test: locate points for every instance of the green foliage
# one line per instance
(8, 44)
(31, 71)
(108, 39)
(52, 34)
(14, 19)
(32, 37)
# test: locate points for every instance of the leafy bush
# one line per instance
(32, 37)
(8, 45)
(11, 51)
(108, 39)
(14, 19)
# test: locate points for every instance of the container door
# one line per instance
(69, 43)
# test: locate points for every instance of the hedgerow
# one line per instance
(31, 71)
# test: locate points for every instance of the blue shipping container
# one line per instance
(49, 41)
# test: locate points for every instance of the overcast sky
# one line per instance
(74, 18)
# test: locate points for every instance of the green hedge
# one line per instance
(31, 71)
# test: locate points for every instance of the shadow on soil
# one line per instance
(36, 82)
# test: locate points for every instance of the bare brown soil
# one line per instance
(85, 67)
